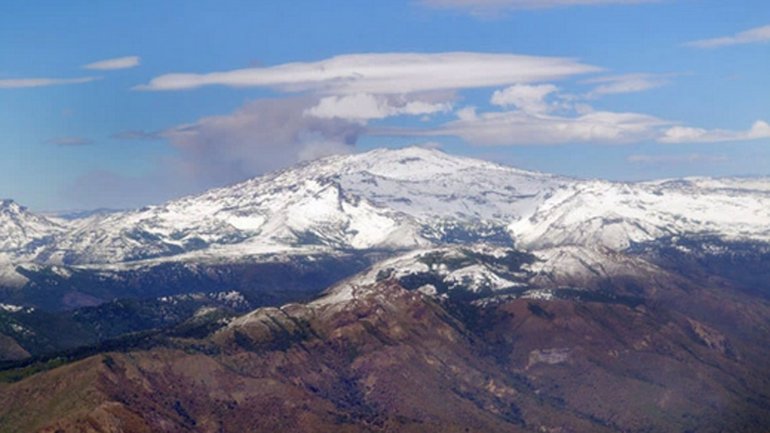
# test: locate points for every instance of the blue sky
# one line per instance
(120, 104)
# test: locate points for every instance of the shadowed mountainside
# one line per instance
(384, 358)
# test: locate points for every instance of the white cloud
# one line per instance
(691, 158)
(365, 106)
(520, 128)
(530, 119)
(686, 134)
(387, 73)
(113, 64)
(527, 98)
(467, 114)
(755, 35)
(21, 83)
(627, 83)
(514, 128)
(485, 7)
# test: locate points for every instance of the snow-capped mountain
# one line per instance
(21, 230)
(22, 236)
(615, 215)
(396, 199)
(380, 199)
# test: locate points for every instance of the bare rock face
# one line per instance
(384, 358)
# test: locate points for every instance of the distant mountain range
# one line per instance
(393, 199)
(384, 200)
(395, 290)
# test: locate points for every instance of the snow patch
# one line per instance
(10, 308)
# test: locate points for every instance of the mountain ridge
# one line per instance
(345, 208)
(401, 199)
(386, 356)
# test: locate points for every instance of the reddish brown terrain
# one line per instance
(387, 359)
